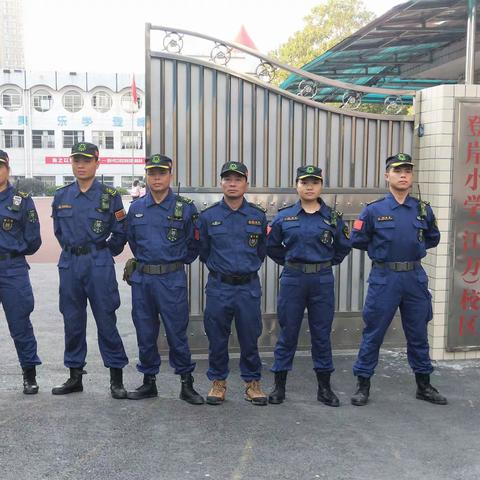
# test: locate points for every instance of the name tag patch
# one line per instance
(290, 219)
(385, 218)
(62, 206)
(254, 222)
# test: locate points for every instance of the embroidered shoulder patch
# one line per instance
(357, 224)
(120, 214)
(32, 216)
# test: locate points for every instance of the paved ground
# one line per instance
(91, 436)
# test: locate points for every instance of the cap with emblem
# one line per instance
(235, 167)
(306, 171)
(397, 160)
(85, 149)
(4, 158)
(158, 161)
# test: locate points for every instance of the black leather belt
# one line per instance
(160, 269)
(84, 249)
(6, 256)
(235, 279)
(398, 266)
(308, 267)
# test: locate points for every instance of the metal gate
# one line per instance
(203, 114)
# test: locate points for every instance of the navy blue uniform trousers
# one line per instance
(17, 300)
(387, 291)
(164, 295)
(225, 302)
(315, 292)
(86, 277)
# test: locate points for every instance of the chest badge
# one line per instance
(172, 234)
(327, 237)
(7, 224)
(98, 226)
(254, 222)
(215, 223)
(138, 215)
(253, 239)
(385, 218)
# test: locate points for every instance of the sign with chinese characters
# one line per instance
(103, 160)
(464, 298)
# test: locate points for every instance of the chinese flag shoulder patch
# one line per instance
(357, 224)
(120, 215)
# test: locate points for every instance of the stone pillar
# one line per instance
(433, 153)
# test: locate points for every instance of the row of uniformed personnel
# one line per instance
(232, 237)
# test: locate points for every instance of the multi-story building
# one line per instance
(43, 114)
(11, 34)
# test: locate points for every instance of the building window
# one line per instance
(132, 140)
(102, 101)
(42, 101)
(108, 181)
(103, 139)
(11, 99)
(127, 181)
(47, 181)
(72, 101)
(43, 139)
(71, 137)
(127, 102)
(68, 180)
(12, 139)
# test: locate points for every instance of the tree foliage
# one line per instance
(325, 26)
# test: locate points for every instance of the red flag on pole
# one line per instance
(134, 91)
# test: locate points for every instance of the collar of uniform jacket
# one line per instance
(90, 193)
(324, 211)
(228, 210)
(409, 201)
(165, 203)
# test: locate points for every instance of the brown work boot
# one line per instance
(254, 394)
(216, 395)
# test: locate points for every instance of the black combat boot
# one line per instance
(360, 397)
(325, 394)
(426, 392)
(116, 384)
(30, 386)
(73, 384)
(147, 389)
(187, 392)
(277, 395)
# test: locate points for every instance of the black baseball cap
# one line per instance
(4, 158)
(235, 167)
(306, 171)
(85, 149)
(397, 160)
(157, 160)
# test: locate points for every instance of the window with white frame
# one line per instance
(127, 181)
(11, 99)
(48, 181)
(42, 101)
(12, 139)
(103, 139)
(68, 180)
(102, 101)
(72, 101)
(127, 102)
(71, 137)
(108, 181)
(43, 139)
(132, 140)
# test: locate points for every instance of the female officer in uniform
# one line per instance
(308, 238)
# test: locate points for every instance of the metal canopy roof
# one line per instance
(396, 50)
